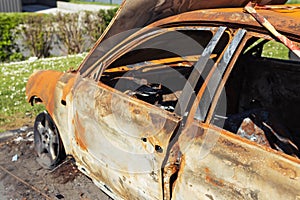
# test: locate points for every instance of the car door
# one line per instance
(123, 123)
(218, 164)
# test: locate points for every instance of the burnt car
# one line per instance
(180, 102)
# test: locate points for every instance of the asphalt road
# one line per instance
(22, 178)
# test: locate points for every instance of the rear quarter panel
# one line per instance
(219, 165)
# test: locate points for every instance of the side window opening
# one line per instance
(264, 48)
(156, 70)
(262, 97)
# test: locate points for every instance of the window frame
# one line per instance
(227, 73)
(97, 69)
(201, 95)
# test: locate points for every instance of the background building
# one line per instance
(26, 5)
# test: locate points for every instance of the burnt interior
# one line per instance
(267, 91)
(157, 70)
(151, 83)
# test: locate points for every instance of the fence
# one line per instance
(10, 6)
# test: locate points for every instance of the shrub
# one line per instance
(72, 32)
(38, 33)
(94, 25)
(9, 49)
(75, 31)
(96, 22)
(108, 15)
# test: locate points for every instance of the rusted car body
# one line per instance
(187, 107)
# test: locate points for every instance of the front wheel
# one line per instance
(47, 142)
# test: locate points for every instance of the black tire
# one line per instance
(47, 142)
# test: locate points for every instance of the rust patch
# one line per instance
(213, 180)
(174, 163)
(284, 170)
(138, 115)
(68, 87)
(207, 171)
(42, 85)
(235, 146)
(286, 22)
(79, 133)
(103, 103)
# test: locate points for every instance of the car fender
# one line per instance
(41, 88)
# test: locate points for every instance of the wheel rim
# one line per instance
(46, 140)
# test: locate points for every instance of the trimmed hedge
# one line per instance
(39, 33)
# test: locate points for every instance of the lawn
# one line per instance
(293, 1)
(275, 50)
(14, 110)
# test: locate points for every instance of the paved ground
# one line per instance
(24, 179)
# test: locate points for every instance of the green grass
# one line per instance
(271, 49)
(275, 50)
(14, 110)
(293, 1)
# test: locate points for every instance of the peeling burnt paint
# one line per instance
(233, 170)
(134, 150)
(285, 169)
(170, 169)
(283, 21)
(213, 180)
(42, 85)
(68, 87)
(146, 133)
(79, 131)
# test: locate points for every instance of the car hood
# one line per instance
(134, 14)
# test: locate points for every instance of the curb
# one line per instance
(8, 134)
(11, 133)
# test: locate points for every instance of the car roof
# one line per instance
(285, 18)
(137, 14)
